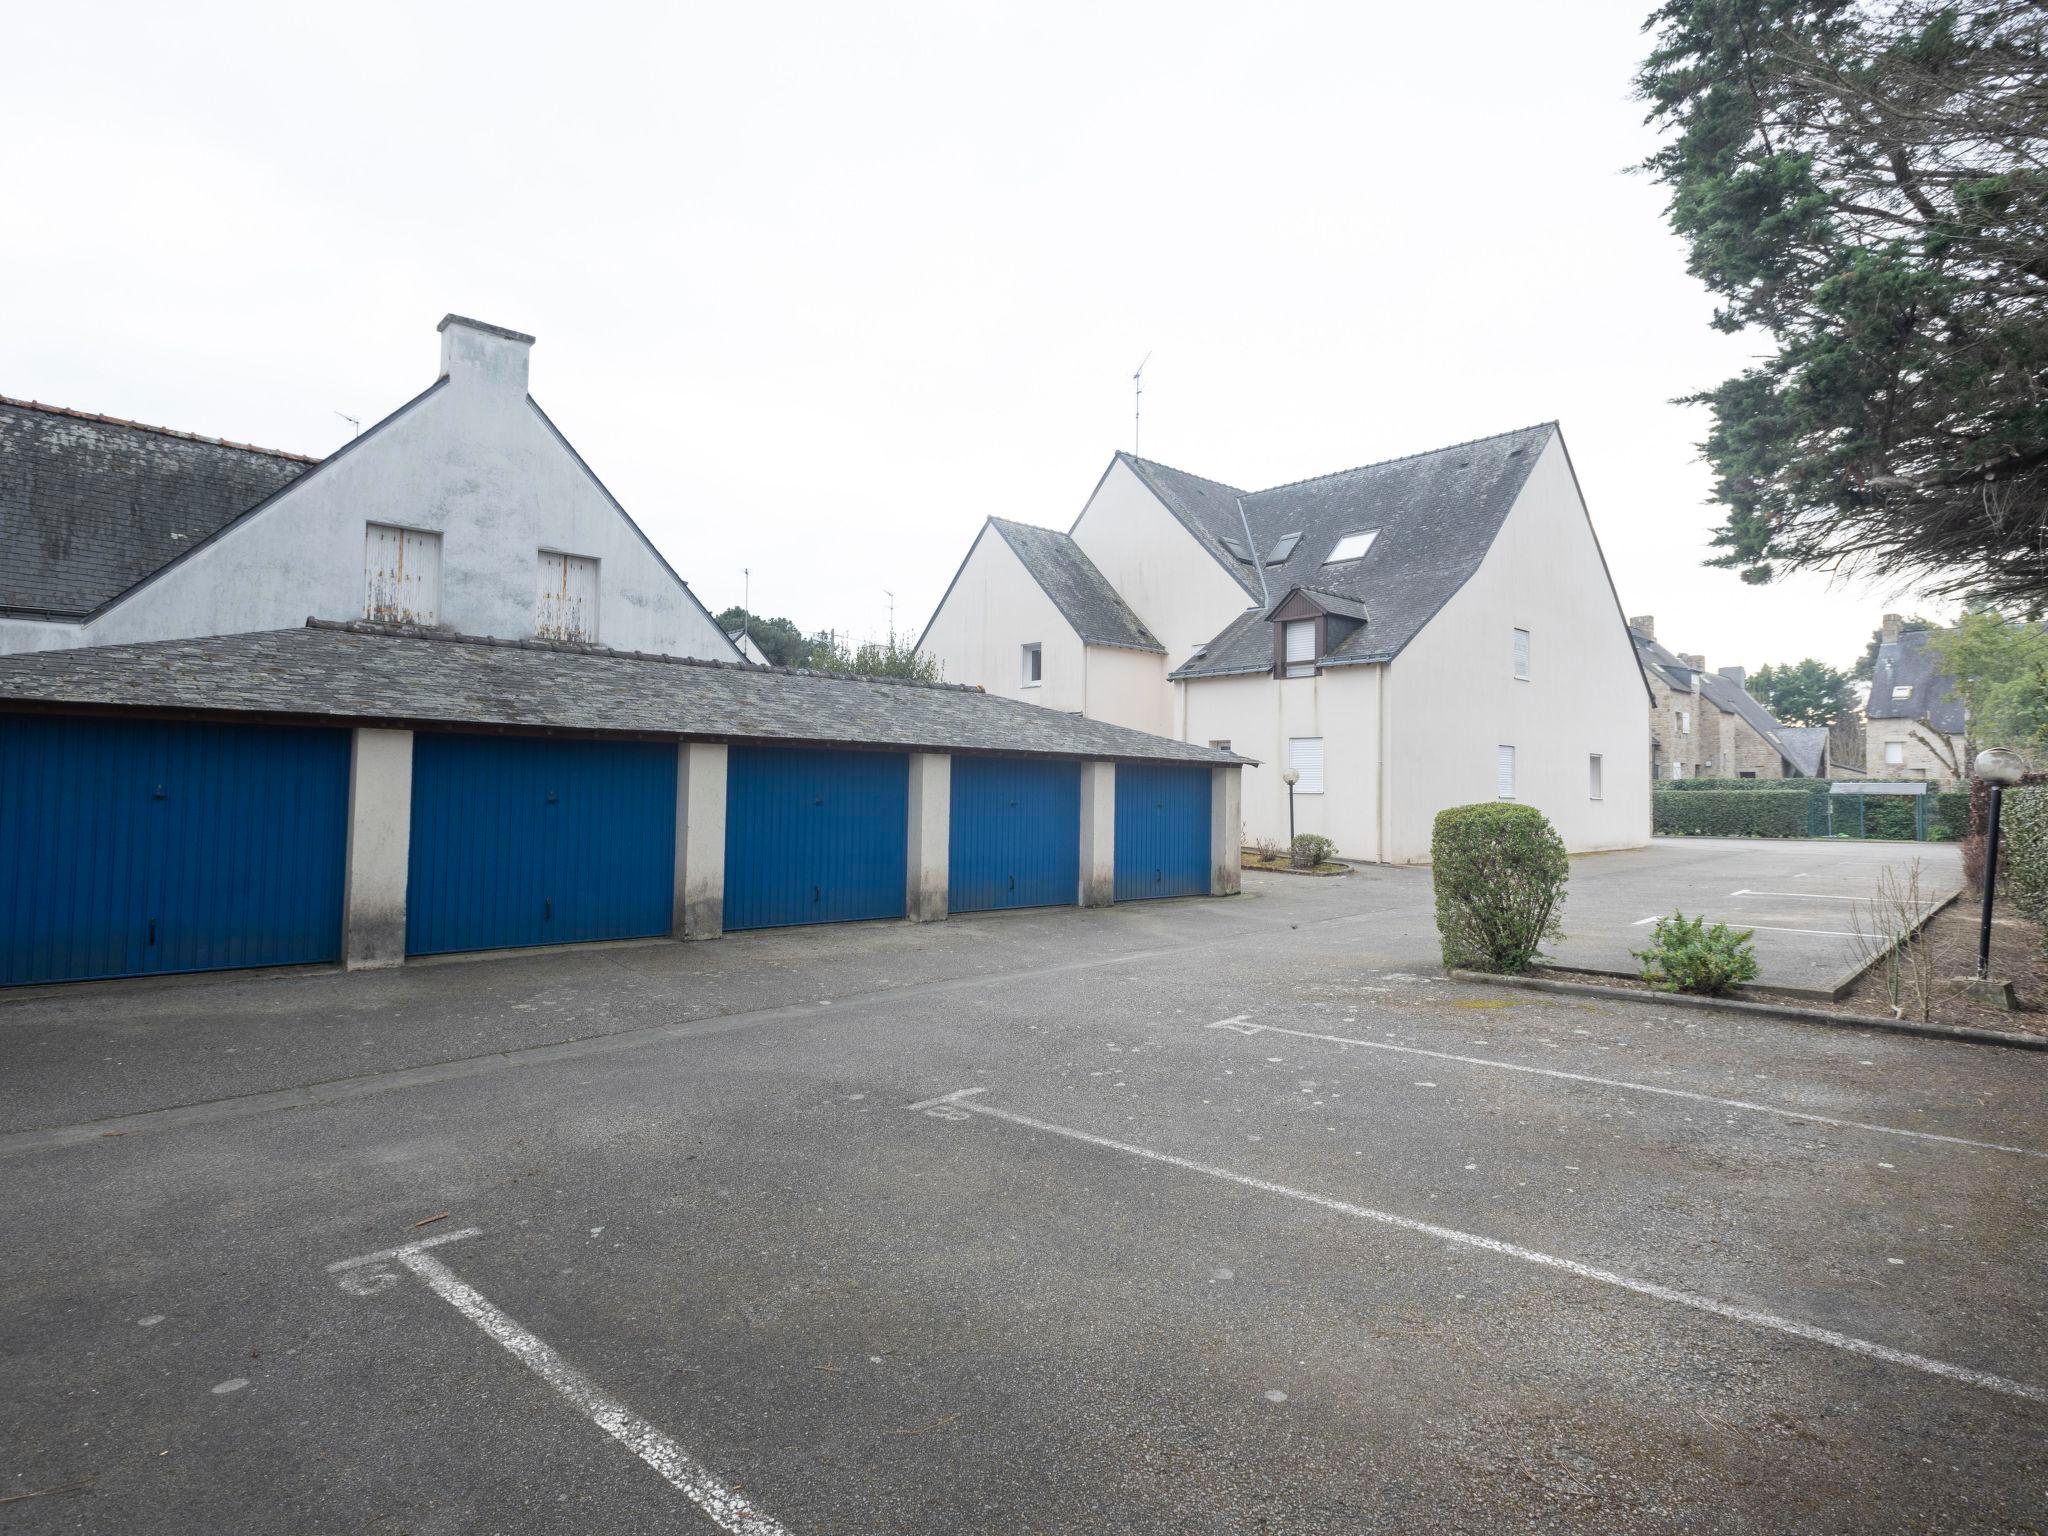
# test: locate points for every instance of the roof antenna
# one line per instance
(892, 616)
(355, 427)
(746, 602)
(1138, 402)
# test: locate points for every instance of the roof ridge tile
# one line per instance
(143, 426)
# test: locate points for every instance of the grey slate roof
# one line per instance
(1909, 662)
(1436, 513)
(1802, 746)
(371, 673)
(90, 505)
(1082, 593)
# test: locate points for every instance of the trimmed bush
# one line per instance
(2023, 848)
(1685, 955)
(1734, 813)
(1500, 873)
(1309, 850)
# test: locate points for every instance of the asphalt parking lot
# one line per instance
(1191, 1216)
(1803, 901)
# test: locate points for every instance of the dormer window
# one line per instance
(1352, 546)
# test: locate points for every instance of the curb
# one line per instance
(1759, 1010)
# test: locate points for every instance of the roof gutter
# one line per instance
(1258, 565)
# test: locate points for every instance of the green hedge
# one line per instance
(1733, 813)
(2023, 848)
(1952, 811)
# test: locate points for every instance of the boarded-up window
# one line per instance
(1522, 654)
(1301, 648)
(401, 575)
(1305, 757)
(1504, 772)
(568, 598)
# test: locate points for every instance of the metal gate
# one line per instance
(814, 836)
(1162, 830)
(1015, 838)
(533, 840)
(142, 847)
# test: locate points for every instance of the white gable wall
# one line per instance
(1453, 700)
(1157, 567)
(994, 608)
(472, 460)
(1127, 687)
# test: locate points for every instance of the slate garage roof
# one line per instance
(1436, 515)
(90, 505)
(375, 674)
(1077, 588)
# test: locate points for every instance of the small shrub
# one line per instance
(1685, 955)
(1310, 850)
(2023, 849)
(1267, 849)
(1499, 872)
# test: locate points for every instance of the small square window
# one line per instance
(1221, 746)
(1895, 754)
(1034, 665)
(1522, 654)
(1352, 546)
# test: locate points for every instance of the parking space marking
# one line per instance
(1800, 895)
(1819, 933)
(1749, 1316)
(724, 1507)
(1632, 1087)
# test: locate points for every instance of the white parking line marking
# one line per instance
(1800, 895)
(721, 1504)
(1650, 1288)
(1669, 1093)
(384, 1255)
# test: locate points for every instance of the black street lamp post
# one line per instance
(1998, 768)
(1292, 776)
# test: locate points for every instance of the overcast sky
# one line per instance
(819, 287)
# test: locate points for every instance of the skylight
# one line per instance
(1351, 546)
(1903, 691)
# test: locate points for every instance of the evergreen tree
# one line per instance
(1805, 692)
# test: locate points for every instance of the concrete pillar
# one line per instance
(379, 848)
(1226, 830)
(928, 867)
(700, 840)
(1098, 834)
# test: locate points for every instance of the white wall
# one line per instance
(1452, 697)
(1168, 579)
(1127, 687)
(473, 461)
(1257, 715)
(994, 609)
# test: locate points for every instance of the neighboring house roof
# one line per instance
(1803, 746)
(1434, 515)
(91, 505)
(1077, 588)
(1806, 746)
(1909, 662)
(349, 672)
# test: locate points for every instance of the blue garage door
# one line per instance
(138, 847)
(813, 836)
(528, 840)
(1015, 834)
(1162, 830)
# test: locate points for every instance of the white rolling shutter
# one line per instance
(1305, 757)
(1300, 640)
(1504, 772)
(401, 575)
(1522, 654)
(567, 607)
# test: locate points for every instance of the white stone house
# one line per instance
(464, 510)
(1410, 635)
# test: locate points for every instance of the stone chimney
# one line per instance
(1646, 626)
(1739, 676)
(473, 353)
(1894, 626)
(1697, 662)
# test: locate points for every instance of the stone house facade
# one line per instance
(1914, 726)
(1707, 725)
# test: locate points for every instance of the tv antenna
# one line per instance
(747, 602)
(1138, 400)
(355, 427)
(892, 616)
